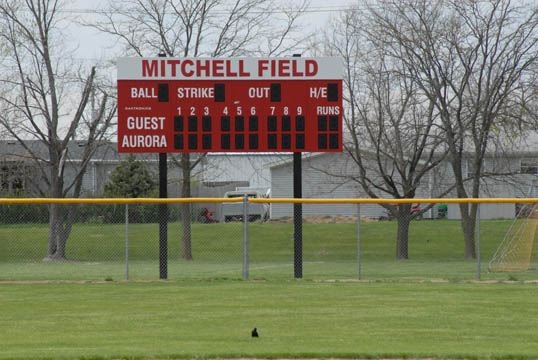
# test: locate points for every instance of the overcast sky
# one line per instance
(93, 46)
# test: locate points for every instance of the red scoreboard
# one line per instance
(229, 105)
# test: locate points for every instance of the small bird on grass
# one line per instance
(255, 332)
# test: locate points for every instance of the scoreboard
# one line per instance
(229, 105)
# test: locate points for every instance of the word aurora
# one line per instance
(145, 141)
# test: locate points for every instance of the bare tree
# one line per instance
(391, 134)
(192, 28)
(45, 98)
(472, 60)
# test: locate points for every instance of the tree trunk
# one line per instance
(402, 238)
(61, 218)
(186, 251)
(468, 215)
(58, 234)
(468, 222)
(52, 245)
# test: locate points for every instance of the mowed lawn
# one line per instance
(206, 311)
(330, 251)
(295, 318)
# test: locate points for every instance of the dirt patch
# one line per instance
(323, 219)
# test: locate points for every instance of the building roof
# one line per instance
(13, 150)
(106, 152)
(508, 154)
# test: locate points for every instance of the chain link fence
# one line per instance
(332, 240)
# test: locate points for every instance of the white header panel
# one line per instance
(289, 68)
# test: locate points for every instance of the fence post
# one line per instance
(245, 237)
(126, 241)
(478, 239)
(358, 241)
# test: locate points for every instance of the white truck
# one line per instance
(233, 211)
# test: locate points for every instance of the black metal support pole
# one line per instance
(163, 217)
(297, 216)
(163, 193)
(297, 213)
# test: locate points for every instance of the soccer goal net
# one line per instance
(514, 252)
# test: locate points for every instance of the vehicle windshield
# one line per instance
(241, 195)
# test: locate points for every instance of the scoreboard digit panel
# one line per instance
(234, 114)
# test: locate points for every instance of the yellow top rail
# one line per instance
(260, 200)
(114, 200)
(398, 201)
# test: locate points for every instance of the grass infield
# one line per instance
(295, 318)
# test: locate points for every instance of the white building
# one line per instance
(254, 168)
(332, 175)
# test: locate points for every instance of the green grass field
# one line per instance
(330, 252)
(295, 318)
(206, 311)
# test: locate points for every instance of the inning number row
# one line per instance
(193, 111)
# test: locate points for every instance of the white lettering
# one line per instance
(145, 123)
(319, 92)
(328, 110)
(148, 141)
(137, 93)
(201, 93)
(258, 93)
